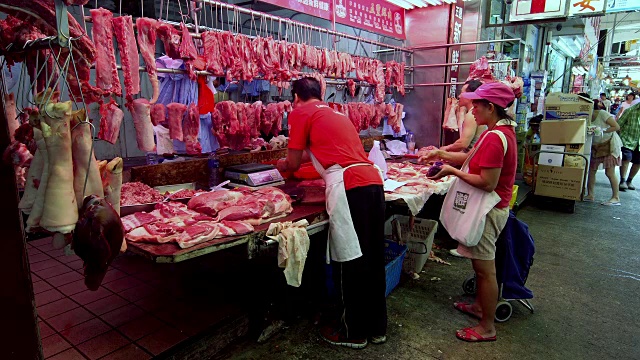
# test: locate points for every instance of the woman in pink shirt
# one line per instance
(490, 169)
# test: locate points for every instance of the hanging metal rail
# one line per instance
(301, 24)
(441, 46)
(462, 63)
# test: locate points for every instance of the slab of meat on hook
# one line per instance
(171, 39)
(175, 115)
(60, 210)
(43, 17)
(81, 150)
(351, 85)
(141, 112)
(212, 54)
(10, 112)
(242, 138)
(102, 31)
(394, 76)
(158, 114)
(394, 118)
(110, 119)
(254, 116)
(188, 51)
(123, 28)
(380, 88)
(192, 130)
(147, 43)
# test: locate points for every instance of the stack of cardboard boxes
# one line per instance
(564, 129)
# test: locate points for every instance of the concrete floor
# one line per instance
(586, 282)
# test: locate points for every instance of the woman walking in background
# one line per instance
(606, 151)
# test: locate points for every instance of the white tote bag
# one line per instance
(465, 207)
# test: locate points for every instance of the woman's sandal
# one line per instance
(466, 308)
(470, 335)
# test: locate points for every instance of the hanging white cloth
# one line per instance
(293, 246)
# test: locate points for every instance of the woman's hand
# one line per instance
(430, 156)
(446, 170)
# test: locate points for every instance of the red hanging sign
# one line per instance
(318, 8)
(455, 37)
(377, 16)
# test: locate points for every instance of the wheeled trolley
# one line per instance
(514, 257)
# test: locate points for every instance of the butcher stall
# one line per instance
(154, 213)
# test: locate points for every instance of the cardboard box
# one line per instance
(550, 158)
(559, 182)
(563, 131)
(573, 161)
(558, 106)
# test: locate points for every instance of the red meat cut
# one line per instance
(141, 112)
(106, 72)
(175, 115)
(123, 27)
(158, 114)
(110, 119)
(171, 39)
(192, 129)
(147, 42)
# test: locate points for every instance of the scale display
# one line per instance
(253, 174)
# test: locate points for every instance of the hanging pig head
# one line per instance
(98, 238)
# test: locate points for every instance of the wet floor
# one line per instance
(586, 282)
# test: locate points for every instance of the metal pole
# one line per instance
(440, 46)
(461, 63)
(439, 84)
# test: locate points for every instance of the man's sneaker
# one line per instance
(630, 186)
(337, 337)
(378, 339)
(623, 186)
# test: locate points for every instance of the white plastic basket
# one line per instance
(419, 239)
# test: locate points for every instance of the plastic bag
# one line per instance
(376, 156)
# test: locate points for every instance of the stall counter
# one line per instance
(171, 253)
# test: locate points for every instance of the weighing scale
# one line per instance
(253, 175)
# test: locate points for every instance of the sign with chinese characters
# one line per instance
(376, 16)
(586, 7)
(539, 9)
(622, 5)
(455, 37)
(319, 8)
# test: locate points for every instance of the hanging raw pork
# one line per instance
(110, 119)
(111, 174)
(147, 29)
(175, 115)
(60, 211)
(450, 115)
(34, 175)
(123, 28)
(106, 72)
(141, 112)
(39, 183)
(86, 177)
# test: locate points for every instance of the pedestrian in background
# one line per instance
(630, 136)
(605, 151)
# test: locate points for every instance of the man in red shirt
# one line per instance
(355, 203)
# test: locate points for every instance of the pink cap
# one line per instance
(495, 92)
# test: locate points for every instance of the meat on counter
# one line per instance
(134, 193)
